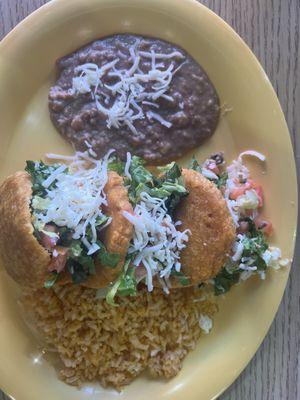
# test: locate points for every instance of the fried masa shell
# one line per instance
(118, 234)
(24, 259)
(204, 212)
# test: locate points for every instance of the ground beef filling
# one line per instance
(191, 108)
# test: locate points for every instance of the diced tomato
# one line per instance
(236, 192)
(59, 259)
(48, 242)
(241, 190)
(265, 226)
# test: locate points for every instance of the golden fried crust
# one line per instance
(119, 232)
(205, 213)
(24, 259)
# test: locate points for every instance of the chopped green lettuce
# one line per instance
(221, 182)
(51, 281)
(225, 280)
(79, 273)
(169, 185)
(79, 264)
(116, 166)
(183, 279)
(106, 258)
(254, 244)
(88, 263)
(125, 285)
(140, 179)
(75, 249)
(78, 254)
(128, 283)
(171, 171)
(99, 222)
(194, 165)
(39, 172)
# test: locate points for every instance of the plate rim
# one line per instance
(15, 33)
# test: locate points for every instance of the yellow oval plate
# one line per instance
(27, 59)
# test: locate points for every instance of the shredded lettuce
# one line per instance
(125, 285)
(106, 258)
(194, 165)
(254, 246)
(78, 272)
(75, 249)
(83, 265)
(79, 264)
(39, 172)
(116, 165)
(128, 283)
(171, 171)
(51, 280)
(225, 280)
(169, 185)
(183, 279)
(140, 178)
(221, 182)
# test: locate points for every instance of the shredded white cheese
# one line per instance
(48, 182)
(252, 153)
(156, 239)
(238, 249)
(272, 258)
(133, 87)
(153, 115)
(127, 165)
(161, 56)
(78, 196)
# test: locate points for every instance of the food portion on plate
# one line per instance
(119, 265)
(88, 220)
(61, 210)
(135, 94)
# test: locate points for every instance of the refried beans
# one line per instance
(133, 94)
